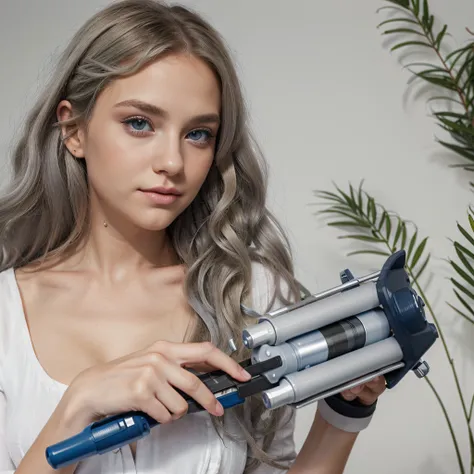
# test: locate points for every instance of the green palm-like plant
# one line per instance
(381, 232)
(453, 73)
(463, 287)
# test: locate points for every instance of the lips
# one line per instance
(161, 196)
(162, 190)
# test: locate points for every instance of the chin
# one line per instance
(155, 221)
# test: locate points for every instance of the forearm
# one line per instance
(325, 450)
(62, 424)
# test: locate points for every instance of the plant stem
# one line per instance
(382, 238)
(450, 426)
(451, 362)
(431, 40)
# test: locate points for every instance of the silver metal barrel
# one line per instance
(275, 330)
(326, 343)
(319, 378)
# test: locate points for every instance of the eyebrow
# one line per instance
(147, 108)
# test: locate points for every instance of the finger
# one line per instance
(156, 410)
(199, 367)
(172, 401)
(348, 395)
(367, 396)
(203, 353)
(191, 385)
(377, 385)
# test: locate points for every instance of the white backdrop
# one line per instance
(329, 103)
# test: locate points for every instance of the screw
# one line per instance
(422, 369)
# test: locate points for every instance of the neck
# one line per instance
(115, 251)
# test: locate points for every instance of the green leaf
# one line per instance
(460, 248)
(329, 196)
(445, 82)
(402, 3)
(440, 36)
(404, 236)
(388, 226)
(429, 26)
(360, 199)
(389, 7)
(373, 252)
(471, 222)
(402, 30)
(423, 267)
(382, 220)
(464, 261)
(348, 224)
(418, 252)
(410, 43)
(347, 199)
(457, 55)
(459, 128)
(463, 151)
(464, 302)
(398, 232)
(446, 98)
(461, 313)
(460, 51)
(433, 70)
(462, 273)
(353, 198)
(462, 288)
(366, 238)
(426, 12)
(411, 244)
(372, 210)
(348, 215)
(339, 210)
(465, 233)
(393, 20)
(421, 63)
(467, 62)
(453, 115)
(416, 7)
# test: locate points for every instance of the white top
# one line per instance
(28, 396)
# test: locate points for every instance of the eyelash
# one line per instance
(129, 120)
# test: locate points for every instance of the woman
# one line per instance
(133, 230)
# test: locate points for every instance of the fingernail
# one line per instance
(245, 374)
(219, 411)
(349, 396)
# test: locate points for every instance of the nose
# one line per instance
(168, 156)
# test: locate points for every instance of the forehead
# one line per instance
(181, 84)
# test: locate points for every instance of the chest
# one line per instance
(92, 326)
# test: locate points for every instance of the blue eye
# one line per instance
(138, 124)
(200, 136)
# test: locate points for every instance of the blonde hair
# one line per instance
(44, 211)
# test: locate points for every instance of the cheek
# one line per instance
(198, 171)
(110, 162)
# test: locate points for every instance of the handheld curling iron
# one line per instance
(320, 346)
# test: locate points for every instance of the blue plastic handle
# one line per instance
(112, 433)
(99, 437)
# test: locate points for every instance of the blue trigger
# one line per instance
(230, 399)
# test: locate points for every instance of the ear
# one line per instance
(72, 132)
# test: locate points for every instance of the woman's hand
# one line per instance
(147, 381)
(367, 393)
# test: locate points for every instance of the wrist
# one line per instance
(72, 410)
(351, 416)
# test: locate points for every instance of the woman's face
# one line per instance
(150, 142)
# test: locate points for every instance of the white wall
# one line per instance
(329, 103)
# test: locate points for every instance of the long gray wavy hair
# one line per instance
(44, 212)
